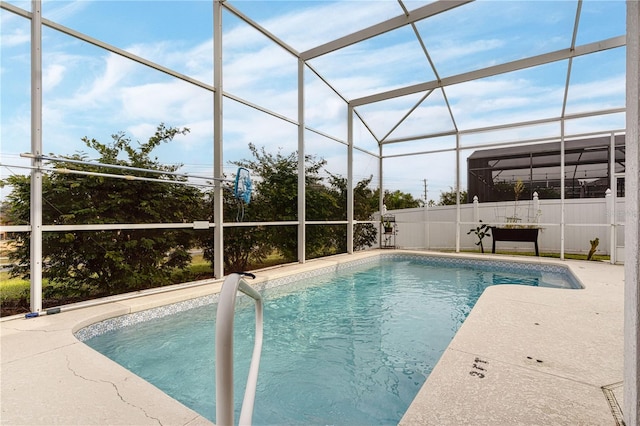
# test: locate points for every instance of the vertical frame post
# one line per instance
(218, 208)
(457, 192)
(302, 208)
(562, 188)
(631, 373)
(36, 162)
(611, 207)
(381, 206)
(350, 195)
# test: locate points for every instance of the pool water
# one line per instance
(345, 348)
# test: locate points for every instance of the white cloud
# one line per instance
(612, 87)
(55, 10)
(193, 60)
(259, 69)
(480, 89)
(16, 38)
(451, 50)
(15, 133)
(52, 76)
(99, 88)
(199, 60)
(242, 126)
(141, 131)
(158, 102)
(308, 27)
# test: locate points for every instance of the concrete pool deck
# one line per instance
(525, 355)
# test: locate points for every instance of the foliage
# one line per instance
(547, 193)
(107, 262)
(4, 206)
(398, 200)
(481, 231)
(277, 198)
(518, 189)
(275, 177)
(448, 198)
(242, 245)
(97, 263)
(364, 234)
(12, 287)
(594, 247)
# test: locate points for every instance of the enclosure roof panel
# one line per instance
(485, 33)
(414, 71)
(307, 25)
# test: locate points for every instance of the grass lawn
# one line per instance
(16, 288)
(596, 257)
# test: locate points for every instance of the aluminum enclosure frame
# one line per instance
(367, 33)
(409, 18)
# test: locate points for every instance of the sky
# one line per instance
(88, 91)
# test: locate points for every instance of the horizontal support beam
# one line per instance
(198, 225)
(15, 228)
(109, 175)
(418, 14)
(517, 65)
(509, 126)
(260, 29)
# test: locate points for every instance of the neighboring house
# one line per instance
(492, 173)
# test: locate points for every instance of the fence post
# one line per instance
(476, 210)
(426, 225)
(611, 220)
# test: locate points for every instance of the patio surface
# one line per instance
(525, 355)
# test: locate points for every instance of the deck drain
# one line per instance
(613, 393)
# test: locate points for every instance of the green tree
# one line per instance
(365, 234)
(398, 200)
(275, 198)
(394, 200)
(242, 245)
(108, 262)
(448, 198)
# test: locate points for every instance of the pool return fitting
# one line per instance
(224, 350)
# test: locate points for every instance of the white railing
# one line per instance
(224, 351)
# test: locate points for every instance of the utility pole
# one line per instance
(426, 201)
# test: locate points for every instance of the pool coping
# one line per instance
(49, 376)
(262, 283)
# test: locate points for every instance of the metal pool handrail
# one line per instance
(224, 351)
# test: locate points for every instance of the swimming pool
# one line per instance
(346, 347)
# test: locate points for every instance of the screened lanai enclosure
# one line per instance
(125, 125)
(493, 172)
(424, 98)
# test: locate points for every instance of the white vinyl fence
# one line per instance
(584, 220)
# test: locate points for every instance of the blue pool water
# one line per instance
(352, 347)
